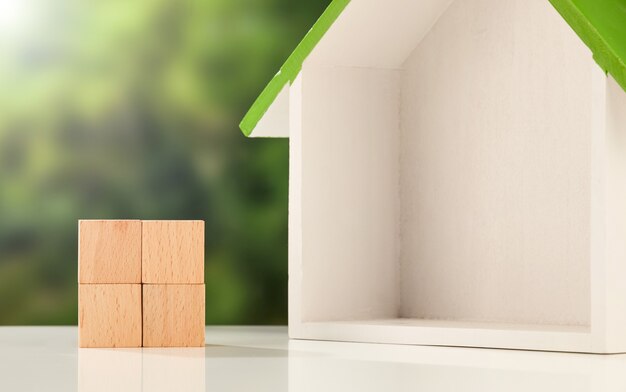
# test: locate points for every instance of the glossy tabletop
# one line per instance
(264, 359)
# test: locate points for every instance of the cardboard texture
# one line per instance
(173, 252)
(109, 251)
(173, 315)
(109, 315)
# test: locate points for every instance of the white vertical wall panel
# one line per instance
(495, 184)
(295, 205)
(615, 217)
(349, 193)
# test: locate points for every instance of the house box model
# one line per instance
(457, 173)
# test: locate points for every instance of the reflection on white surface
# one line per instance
(235, 367)
(101, 370)
(136, 370)
(263, 359)
(406, 368)
(173, 369)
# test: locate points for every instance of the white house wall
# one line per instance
(349, 168)
(295, 205)
(471, 194)
(377, 33)
(612, 190)
(275, 121)
(496, 172)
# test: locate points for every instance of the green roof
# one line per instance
(601, 24)
(290, 70)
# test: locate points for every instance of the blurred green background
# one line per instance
(129, 109)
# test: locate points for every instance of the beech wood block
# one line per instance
(173, 252)
(173, 315)
(109, 315)
(109, 251)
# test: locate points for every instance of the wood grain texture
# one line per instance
(109, 251)
(173, 252)
(173, 315)
(109, 315)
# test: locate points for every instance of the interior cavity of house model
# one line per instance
(457, 173)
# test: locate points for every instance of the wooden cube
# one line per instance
(173, 315)
(173, 252)
(109, 315)
(109, 251)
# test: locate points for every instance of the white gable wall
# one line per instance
(377, 33)
(496, 149)
(368, 34)
(275, 122)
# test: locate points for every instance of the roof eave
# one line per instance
(292, 66)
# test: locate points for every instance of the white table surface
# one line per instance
(263, 359)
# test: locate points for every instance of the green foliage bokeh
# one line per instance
(129, 109)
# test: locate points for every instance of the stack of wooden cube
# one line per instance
(141, 283)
